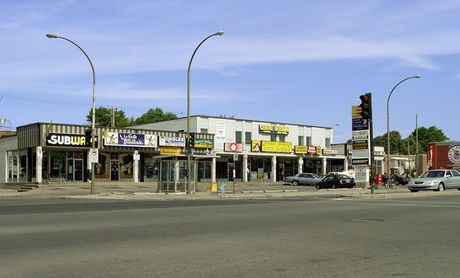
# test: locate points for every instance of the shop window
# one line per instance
(103, 167)
(12, 165)
(328, 142)
(300, 141)
(238, 137)
(126, 165)
(308, 140)
(57, 164)
(248, 137)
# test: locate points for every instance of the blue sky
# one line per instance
(301, 62)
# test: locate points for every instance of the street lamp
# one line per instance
(388, 120)
(189, 162)
(93, 109)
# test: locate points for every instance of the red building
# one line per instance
(444, 155)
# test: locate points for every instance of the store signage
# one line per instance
(329, 152)
(360, 161)
(276, 147)
(170, 150)
(201, 143)
(67, 140)
(233, 147)
(360, 145)
(277, 129)
(130, 140)
(312, 150)
(298, 149)
(171, 141)
(359, 124)
(454, 153)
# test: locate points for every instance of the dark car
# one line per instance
(400, 179)
(336, 181)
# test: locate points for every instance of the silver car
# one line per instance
(303, 178)
(435, 180)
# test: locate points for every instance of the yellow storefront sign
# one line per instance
(276, 147)
(300, 149)
(170, 150)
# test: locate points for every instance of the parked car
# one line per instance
(437, 180)
(303, 179)
(333, 180)
(400, 179)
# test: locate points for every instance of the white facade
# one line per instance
(235, 142)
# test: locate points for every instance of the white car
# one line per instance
(437, 180)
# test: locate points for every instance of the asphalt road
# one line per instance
(288, 237)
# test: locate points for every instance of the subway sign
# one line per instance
(67, 140)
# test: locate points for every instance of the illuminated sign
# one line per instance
(67, 140)
(130, 140)
(203, 143)
(170, 150)
(171, 141)
(277, 129)
(300, 149)
(233, 147)
(271, 147)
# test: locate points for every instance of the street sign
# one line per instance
(93, 155)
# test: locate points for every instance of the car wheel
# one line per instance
(318, 187)
(295, 183)
(440, 187)
(413, 190)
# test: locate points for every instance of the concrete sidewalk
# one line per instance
(237, 190)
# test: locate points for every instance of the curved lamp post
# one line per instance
(388, 119)
(93, 109)
(189, 162)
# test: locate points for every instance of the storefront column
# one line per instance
(300, 167)
(136, 159)
(38, 163)
(324, 165)
(176, 174)
(274, 168)
(245, 168)
(213, 170)
(345, 164)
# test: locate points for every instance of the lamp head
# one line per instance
(418, 76)
(51, 36)
(220, 33)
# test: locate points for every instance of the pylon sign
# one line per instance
(360, 123)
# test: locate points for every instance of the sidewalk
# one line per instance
(238, 190)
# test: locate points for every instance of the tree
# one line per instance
(154, 115)
(426, 136)
(103, 117)
(396, 144)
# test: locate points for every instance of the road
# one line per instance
(286, 237)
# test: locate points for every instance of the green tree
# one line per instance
(103, 117)
(154, 115)
(396, 143)
(426, 136)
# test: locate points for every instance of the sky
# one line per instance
(292, 61)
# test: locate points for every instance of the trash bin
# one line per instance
(214, 187)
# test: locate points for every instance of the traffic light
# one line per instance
(88, 136)
(191, 140)
(366, 106)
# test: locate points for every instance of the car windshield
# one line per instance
(433, 174)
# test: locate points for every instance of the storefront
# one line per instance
(43, 153)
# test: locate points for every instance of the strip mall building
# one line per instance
(224, 149)
(445, 155)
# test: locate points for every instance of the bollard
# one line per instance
(222, 188)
